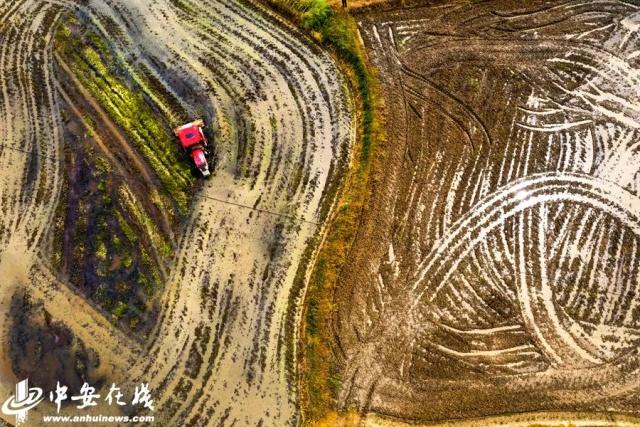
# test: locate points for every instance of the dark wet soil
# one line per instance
(46, 352)
(99, 246)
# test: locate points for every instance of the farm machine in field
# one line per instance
(195, 144)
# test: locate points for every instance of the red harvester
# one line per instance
(195, 144)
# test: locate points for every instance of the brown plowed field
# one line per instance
(496, 270)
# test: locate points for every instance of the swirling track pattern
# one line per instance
(508, 215)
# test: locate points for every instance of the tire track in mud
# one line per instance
(505, 256)
(244, 313)
(260, 360)
(30, 154)
(282, 120)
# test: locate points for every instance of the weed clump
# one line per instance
(317, 15)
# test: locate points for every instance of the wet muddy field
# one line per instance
(497, 269)
(79, 165)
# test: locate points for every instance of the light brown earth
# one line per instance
(562, 419)
(496, 268)
(358, 4)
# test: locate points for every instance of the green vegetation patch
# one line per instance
(128, 97)
(107, 239)
(100, 245)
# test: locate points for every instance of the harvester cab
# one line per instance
(195, 144)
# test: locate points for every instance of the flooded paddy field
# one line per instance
(93, 123)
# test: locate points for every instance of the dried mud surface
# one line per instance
(282, 122)
(496, 269)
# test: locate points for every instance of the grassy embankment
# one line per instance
(117, 249)
(336, 30)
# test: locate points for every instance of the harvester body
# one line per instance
(195, 144)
